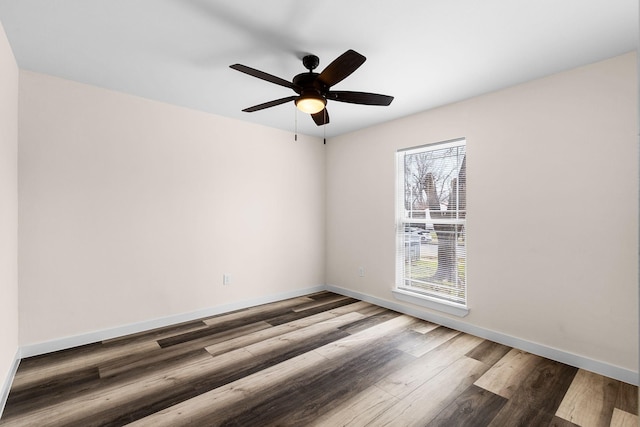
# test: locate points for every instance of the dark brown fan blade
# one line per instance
(269, 104)
(359, 97)
(262, 75)
(341, 67)
(321, 118)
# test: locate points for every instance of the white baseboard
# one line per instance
(6, 386)
(571, 359)
(96, 336)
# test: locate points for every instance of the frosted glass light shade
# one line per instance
(310, 104)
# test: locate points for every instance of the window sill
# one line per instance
(432, 303)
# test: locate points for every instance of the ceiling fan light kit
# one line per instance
(313, 89)
(310, 104)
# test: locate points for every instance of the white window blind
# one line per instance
(431, 211)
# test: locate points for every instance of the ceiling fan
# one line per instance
(313, 89)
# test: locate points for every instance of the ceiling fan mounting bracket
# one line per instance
(310, 62)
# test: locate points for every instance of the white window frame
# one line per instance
(404, 289)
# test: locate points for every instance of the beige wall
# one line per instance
(552, 169)
(132, 210)
(8, 207)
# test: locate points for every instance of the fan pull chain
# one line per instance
(295, 136)
(324, 128)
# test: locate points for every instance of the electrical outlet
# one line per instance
(226, 279)
(361, 271)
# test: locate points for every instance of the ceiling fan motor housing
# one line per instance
(308, 83)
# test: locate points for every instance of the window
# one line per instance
(431, 211)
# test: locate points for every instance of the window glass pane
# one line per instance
(431, 224)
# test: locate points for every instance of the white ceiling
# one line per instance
(426, 53)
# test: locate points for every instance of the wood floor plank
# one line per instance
(424, 403)
(538, 396)
(31, 376)
(30, 398)
(236, 369)
(142, 360)
(370, 321)
(78, 376)
(358, 411)
(505, 376)
(196, 411)
(317, 360)
(158, 333)
(430, 340)
(474, 407)
(559, 422)
(212, 406)
(318, 303)
(405, 380)
(489, 352)
(236, 319)
(212, 330)
(124, 394)
(286, 340)
(266, 333)
(370, 309)
(366, 338)
(268, 309)
(250, 338)
(324, 388)
(424, 327)
(43, 360)
(590, 400)
(91, 406)
(525, 416)
(361, 307)
(627, 399)
(291, 316)
(624, 419)
(321, 295)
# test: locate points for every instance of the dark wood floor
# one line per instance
(319, 360)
